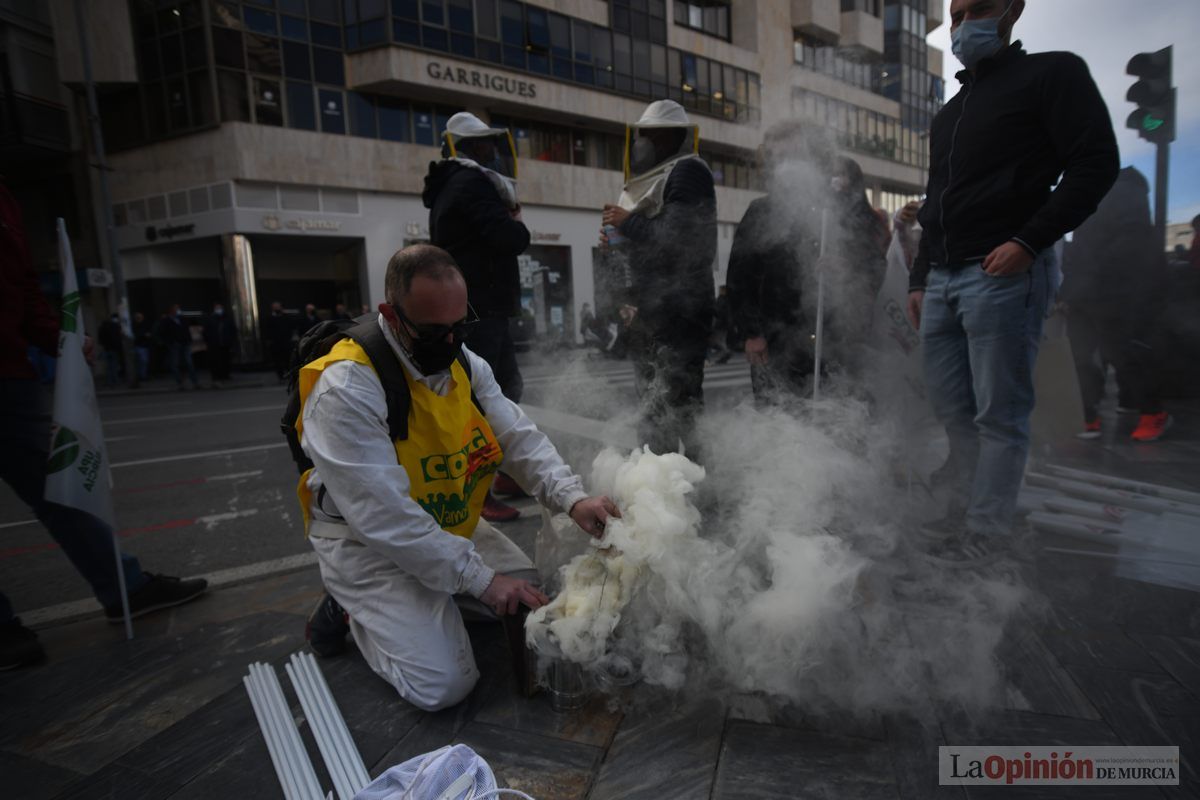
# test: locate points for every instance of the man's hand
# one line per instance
(915, 299)
(89, 349)
(592, 513)
(756, 350)
(908, 214)
(515, 213)
(1009, 258)
(504, 595)
(614, 215)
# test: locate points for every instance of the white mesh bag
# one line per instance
(455, 772)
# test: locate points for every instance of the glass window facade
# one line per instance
(863, 130)
(281, 62)
(904, 74)
(709, 16)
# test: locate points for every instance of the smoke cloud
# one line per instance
(784, 567)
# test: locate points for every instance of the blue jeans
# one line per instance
(143, 362)
(979, 337)
(179, 356)
(24, 440)
(112, 367)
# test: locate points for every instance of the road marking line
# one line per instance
(575, 425)
(206, 454)
(193, 415)
(208, 521)
(17, 524)
(78, 609)
(120, 438)
(233, 476)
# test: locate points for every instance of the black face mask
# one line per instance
(643, 156)
(434, 357)
(430, 351)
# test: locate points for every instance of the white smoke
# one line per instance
(785, 567)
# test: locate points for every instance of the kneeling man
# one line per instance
(395, 519)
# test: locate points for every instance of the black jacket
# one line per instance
(999, 145)
(468, 219)
(1112, 262)
(772, 270)
(671, 258)
(277, 331)
(219, 331)
(109, 335)
(173, 330)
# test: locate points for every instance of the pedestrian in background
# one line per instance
(340, 312)
(1114, 287)
(278, 331)
(980, 285)
(175, 334)
(474, 215)
(220, 337)
(308, 321)
(109, 335)
(143, 339)
(773, 261)
(666, 221)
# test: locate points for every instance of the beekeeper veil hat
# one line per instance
(467, 136)
(663, 134)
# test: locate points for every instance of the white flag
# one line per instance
(77, 471)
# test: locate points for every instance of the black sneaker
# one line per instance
(161, 591)
(327, 627)
(19, 646)
(969, 551)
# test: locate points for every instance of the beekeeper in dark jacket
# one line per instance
(665, 228)
(474, 215)
(980, 284)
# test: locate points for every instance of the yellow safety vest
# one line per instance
(450, 455)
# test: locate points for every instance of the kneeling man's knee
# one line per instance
(441, 691)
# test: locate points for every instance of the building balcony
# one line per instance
(933, 16)
(820, 19)
(862, 35)
(936, 62)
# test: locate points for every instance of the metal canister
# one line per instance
(567, 691)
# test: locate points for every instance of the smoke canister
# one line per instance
(614, 235)
(566, 685)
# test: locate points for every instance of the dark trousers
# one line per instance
(87, 542)
(786, 376)
(1132, 347)
(492, 341)
(218, 362)
(669, 381)
(281, 354)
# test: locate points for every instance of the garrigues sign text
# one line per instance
(481, 79)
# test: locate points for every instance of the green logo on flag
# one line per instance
(64, 449)
(70, 312)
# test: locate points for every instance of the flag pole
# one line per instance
(77, 473)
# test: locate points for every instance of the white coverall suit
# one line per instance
(383, 558)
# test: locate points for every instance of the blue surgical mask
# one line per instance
(977, 39)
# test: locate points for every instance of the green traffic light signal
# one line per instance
(1151, 123)
(1154, 117)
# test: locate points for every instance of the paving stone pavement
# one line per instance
(1115, 659)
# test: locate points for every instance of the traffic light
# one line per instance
(1154, 118)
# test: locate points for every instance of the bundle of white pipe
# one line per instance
(329, 729)
(292, 766)
(290, 759)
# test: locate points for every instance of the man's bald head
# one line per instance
(418, 260)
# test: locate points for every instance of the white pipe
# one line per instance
(320, 728)
(354, 759)
(277, 724)
(1151, 489)
(308, 778)
(272, 745)
(271, 733)
(820, 335)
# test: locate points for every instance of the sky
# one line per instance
(1106, 34)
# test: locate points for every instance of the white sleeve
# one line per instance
(529, 455)
(346, 436)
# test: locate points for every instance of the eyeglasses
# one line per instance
(460, 330)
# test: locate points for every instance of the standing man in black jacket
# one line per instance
(979, 286)
(665, 225)
(474, 215)
(220, 336)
